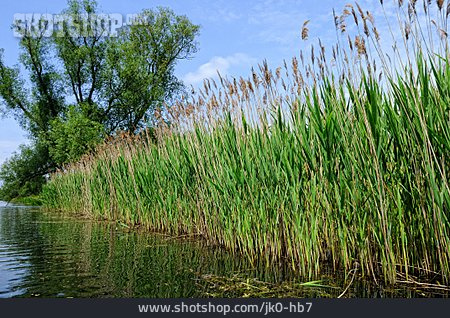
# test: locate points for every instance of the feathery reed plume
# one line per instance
(316, 164)
(305, 30)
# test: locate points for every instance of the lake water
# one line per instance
(45, 254)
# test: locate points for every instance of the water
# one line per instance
(45, 254)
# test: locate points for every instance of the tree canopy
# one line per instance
(85, 86)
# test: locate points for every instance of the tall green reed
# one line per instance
(328, 162)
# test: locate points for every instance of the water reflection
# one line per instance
(48, 255)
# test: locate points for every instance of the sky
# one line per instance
(235, 35)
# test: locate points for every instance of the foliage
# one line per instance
(139, 72)
(321, 166)
(32, 200)
(23, 173)
(117, 83)
(73, 136)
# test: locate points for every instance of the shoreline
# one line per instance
(427, 282)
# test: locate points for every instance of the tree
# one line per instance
(121, 80)
(87, 80)
(73, 136)
(141, 63)
(23, 173)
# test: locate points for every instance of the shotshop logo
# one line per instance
(82, 25)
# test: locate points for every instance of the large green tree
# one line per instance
(85, 86)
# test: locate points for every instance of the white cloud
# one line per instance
(217, 64)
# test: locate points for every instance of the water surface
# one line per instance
(45, 254)
(50, 255)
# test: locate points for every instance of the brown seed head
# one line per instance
(360, 45)
(377, 35)
(305, 30)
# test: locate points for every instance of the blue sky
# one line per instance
(234, 36)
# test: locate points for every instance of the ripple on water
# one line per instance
(48, 255)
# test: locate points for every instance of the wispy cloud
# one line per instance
(7, 147)
(221, 11)
(279, 23)
(218, 64)
(223, 15)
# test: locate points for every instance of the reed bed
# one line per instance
(337, 158)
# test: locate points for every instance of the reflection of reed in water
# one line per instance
(60, 256)
(73, 258)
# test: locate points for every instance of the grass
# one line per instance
(331, 161)
(32, 200)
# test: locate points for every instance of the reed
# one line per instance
(340, 158)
